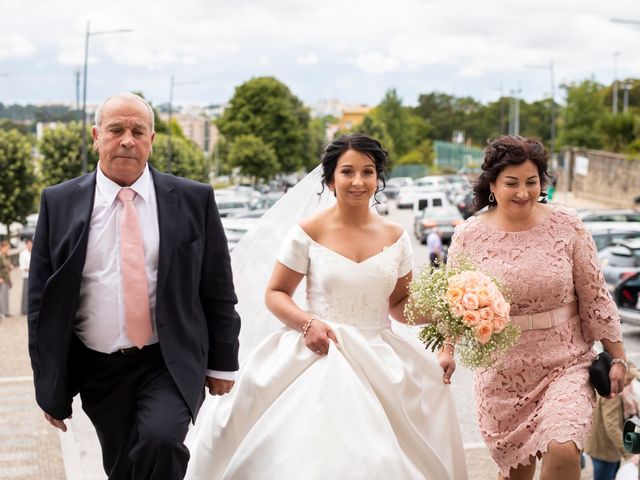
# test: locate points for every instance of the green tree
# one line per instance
(405, 128)
(253, 157)
(60, 153)
(421, 155)
(17, 182)
(266, 108)
(317, 140)
(187, 160)
(582, 114)
(619, 130)
(446, 114)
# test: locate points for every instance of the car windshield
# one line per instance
(440, 214)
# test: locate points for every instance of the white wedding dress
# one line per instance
(374, 407)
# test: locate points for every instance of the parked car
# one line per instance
(610, 215)
(429, 200)
(627, 297)
(394, 185)
(433, 182)
(228, 206)
(464, 202)
(29, 228)
(382, 207)
(606, 234)
(444, 219)
(405, 197)
(266, 201)
(235, 228)
(620, 261)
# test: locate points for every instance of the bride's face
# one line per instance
(355, 178)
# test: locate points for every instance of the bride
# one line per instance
(334, 393)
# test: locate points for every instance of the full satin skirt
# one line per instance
(374, 407)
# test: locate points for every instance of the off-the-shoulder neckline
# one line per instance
(396, 242)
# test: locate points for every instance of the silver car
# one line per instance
(444, 219)
(620, 261)
(627, 296)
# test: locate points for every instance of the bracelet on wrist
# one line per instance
(620, 361)
(307, 324)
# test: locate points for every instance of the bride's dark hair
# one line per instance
(360, 143)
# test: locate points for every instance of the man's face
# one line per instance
(123, 139)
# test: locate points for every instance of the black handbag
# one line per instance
(599, 374)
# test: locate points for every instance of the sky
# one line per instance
(350, 50)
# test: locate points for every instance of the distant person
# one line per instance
(605, 443)
(23, 263)
(434, 247)
(131, 300)
(539, 403)
(5, 278)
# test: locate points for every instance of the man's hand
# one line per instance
(217, 386)
(55, 422)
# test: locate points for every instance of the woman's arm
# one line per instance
(279, 301)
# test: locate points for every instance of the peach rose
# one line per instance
(454, 295)
(499, 323)
(500, 307)
(456, 281)
(482, 331)
(470, 301)
(484, 297)
(457, 310)
(470, 318)
(486, 314)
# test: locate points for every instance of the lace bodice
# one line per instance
(545, 267)
(344, 291)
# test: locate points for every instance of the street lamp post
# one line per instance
(169, 144)
(552, 93)
(614, 96)
(84, 88)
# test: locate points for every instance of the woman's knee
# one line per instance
(565, 452)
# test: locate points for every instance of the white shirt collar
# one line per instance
(108, 189)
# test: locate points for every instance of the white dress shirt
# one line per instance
(100, 319)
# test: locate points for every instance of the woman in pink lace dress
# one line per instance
(538, 402)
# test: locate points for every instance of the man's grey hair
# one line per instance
(129, 96)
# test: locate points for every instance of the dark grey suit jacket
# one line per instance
(195, 316)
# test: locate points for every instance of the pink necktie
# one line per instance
(134, 275)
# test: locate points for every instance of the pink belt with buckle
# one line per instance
(548, 319)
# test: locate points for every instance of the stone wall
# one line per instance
(605, 177)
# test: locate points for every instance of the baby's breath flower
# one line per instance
(428, 301)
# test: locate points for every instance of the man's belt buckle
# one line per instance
(129, 350)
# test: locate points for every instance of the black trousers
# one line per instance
(139, 415)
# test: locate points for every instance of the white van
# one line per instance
(429, 200)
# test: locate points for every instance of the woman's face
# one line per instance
(355, 178)
(517, 189)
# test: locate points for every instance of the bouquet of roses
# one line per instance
(465, 306)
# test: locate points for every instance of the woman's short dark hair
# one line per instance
(360, 143)
(503, 152)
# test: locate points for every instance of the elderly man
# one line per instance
(131, 299)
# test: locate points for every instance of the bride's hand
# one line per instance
(318, 337)
(447, 363)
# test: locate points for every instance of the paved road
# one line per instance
(31, 450)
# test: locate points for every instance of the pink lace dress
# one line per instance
(541, 391)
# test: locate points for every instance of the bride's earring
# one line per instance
(492, 197)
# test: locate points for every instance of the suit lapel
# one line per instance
(83, 199)
(167, 213)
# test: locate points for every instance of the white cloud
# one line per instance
(376, 62)
(15, 45)
(469, 45)
(309, 59)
